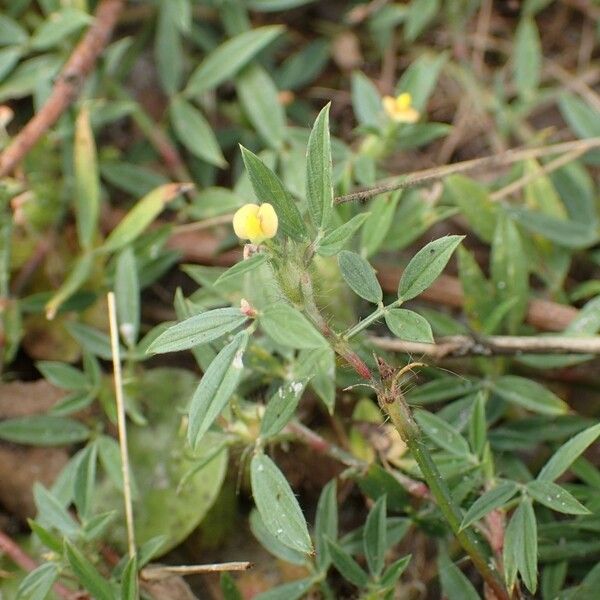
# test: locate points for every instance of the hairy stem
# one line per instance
(400, 416)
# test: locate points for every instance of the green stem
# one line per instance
(408, 429)
(374, 316)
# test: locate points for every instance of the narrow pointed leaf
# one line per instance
(289, 327)
(564, 457)
(194, 132)
(360, 276)
(268, 188)
(281, 408)
(319, 189)
(197, 330)
(87, 184)
(229, 58)
(335, 240)
(142, 214)
(555, 497)
(277, 505)
(426, 266)
(375, 542)
(87, 574)
(490, 500)
(529, 394)
(216, 387)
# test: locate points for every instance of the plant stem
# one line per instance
(374, 316)
(400, 416)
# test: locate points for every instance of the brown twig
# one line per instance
(9, 547)
(68, 85)
(456, 346)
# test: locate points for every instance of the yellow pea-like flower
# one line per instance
(255, 223)
(400, 109)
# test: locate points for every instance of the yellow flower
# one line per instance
(255, 223)
(400, 109)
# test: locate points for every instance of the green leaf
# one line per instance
(271, 543)
(347, 566)
(59, 26)
(326, 523)
(564, 232)
(289, 327)
(421, 77)
(487, 502)
(242, 267)
(564, 457)
(229, 589)
(48, 539)
(85, 479)
(442, 434)
(268, 188)
(530, 395)
(277, 505)
(420, 14)
(216, 387)
(94, 341)
(474, 202)
(281, 408)
(62, 375)
(259, 98)
(581, 117)
(229, 58)
(51, 513)
(87, 574)
(43, 430)
(520, 546)
(142, 214)
(11, 33)
(37, 584)
(79, 274)
(527, 58)
(197, 330)
(168, 51)
(87, 183)
(194, 132)
(508, 267)
(288, 591)
(555, 497)
(127, 293)
(366, 100)
(478, 424)
(360, 276)
(408, 325)
(455, 584)
(129, 581)
(394, 571)
(319, 189)
(426, 266)
(480, 302)
(332, 243)
(374, 540)
(383, 209)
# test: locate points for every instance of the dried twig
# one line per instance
(427, 176)
(163, 572)
(114, 343)
(67, 86)
(464, 345)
